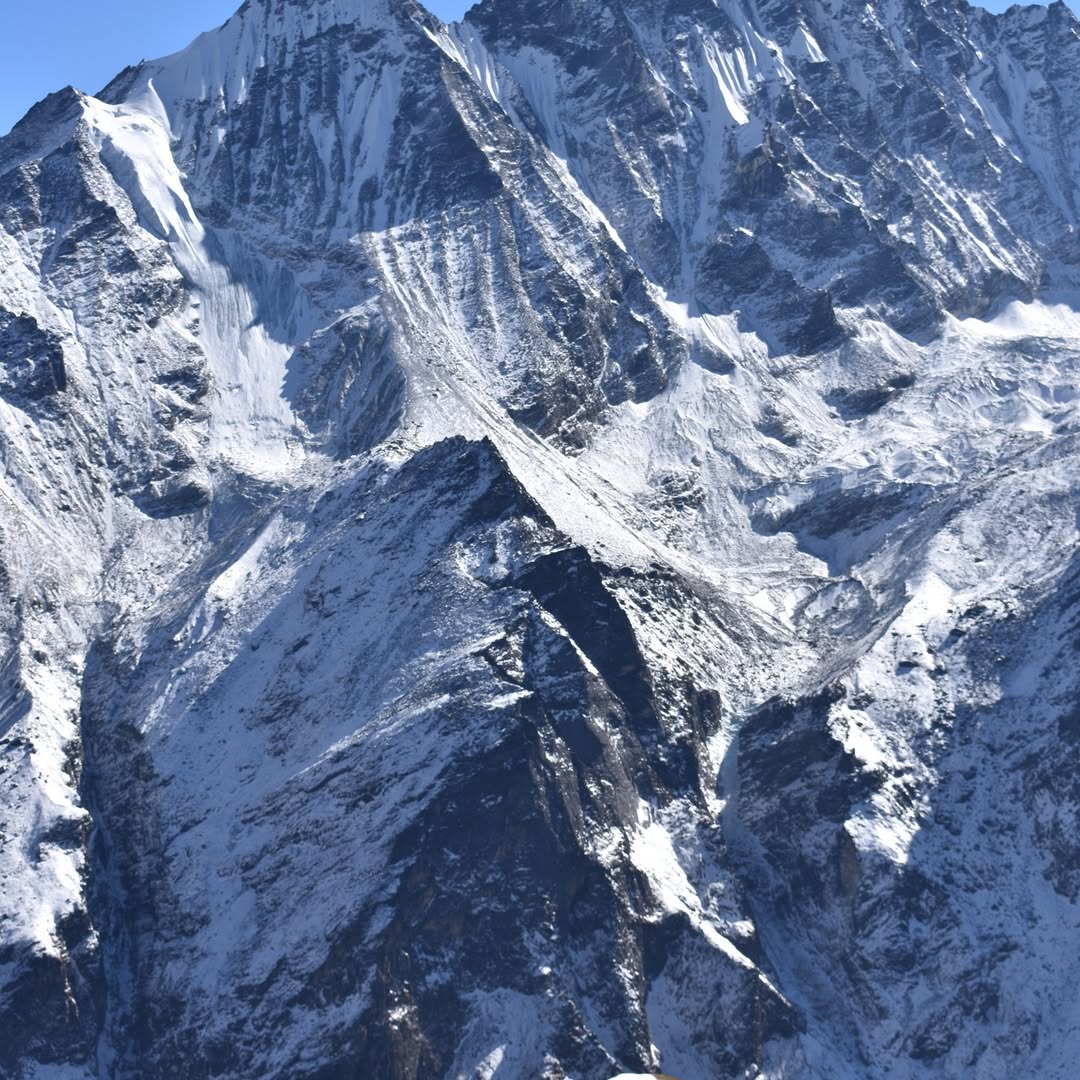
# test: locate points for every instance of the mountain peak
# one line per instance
(279, 33)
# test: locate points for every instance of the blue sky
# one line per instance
(47, 44)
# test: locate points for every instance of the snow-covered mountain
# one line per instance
(546, 547)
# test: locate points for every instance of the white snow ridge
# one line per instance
(546, 547)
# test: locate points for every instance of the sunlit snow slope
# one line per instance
(546, 547)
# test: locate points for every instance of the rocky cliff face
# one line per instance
(545, 547)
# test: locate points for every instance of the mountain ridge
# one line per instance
(573, 576)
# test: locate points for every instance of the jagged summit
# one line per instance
(712, 137)
(545, 547)
(221, 64)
